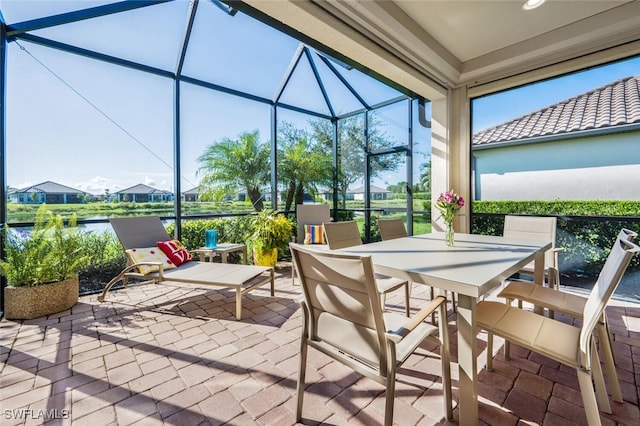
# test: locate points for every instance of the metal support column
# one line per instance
(3, 147)
(274, 157)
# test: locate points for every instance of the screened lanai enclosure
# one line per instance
(197, 109)
(206, 109)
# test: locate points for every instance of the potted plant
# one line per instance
(42, 267)
(271, 231)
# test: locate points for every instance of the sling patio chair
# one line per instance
(141, 237)
(572, 346)
(537, 228)
(310, 229)
(343, 318)
(346, 234)
(572, 305)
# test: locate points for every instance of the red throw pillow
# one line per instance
(175, 251)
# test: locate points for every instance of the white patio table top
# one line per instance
(472, 267)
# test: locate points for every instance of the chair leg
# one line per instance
(434, 321)
(507, 349)
(588, 398)
(598, 379)
(301, 379)
(391, 384)
(507, 344)
(302, 368)
(407, 297)
(489, 351)
(445, 355)
(609, 362)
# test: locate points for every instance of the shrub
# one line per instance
(48, 254)
(586, 229)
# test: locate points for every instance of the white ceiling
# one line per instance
(481, 33)
(458, 42)
(469, 29)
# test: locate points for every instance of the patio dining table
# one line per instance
(471, 268)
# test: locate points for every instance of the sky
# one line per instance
(117, 123)
(96, 127)
(495, 109)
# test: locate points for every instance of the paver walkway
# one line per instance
(174, 354)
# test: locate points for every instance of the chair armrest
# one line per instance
(417, 319)
(556, 260)
(423, 313)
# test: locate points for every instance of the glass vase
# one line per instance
(448, 233)
(211, 238)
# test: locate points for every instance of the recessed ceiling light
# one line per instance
(532, 4)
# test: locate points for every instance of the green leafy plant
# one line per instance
(586, 229)
(48, 254)
(270, 230)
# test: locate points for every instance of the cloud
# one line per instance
(95, 185)
(98, 185)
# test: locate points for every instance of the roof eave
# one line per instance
(561, 136)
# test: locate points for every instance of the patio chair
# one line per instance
(571, 305)
(346, 234)
(142, 235)
(394, 228)
(343, 318)
(391, 229)
(310, 228)
(569, 345)
(536, 228)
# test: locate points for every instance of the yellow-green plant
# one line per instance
(270, 230)
(48, 254)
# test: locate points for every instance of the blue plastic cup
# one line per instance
(211, 238)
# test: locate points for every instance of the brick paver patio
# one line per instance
(174, 354)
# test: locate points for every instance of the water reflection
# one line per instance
(97, 227)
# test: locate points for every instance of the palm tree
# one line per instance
(231, 164)
(425, 177)
(301, 164)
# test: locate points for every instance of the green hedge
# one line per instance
(230, 230)
(559, 208)
(586, 229)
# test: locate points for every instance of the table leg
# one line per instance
(224, 256)
(244, 254)
(467, 360)
(538, 277)
(238, 303)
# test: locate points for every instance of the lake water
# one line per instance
(97, 227)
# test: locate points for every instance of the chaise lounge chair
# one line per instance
(137, 233)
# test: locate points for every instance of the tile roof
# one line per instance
(51, 188)
(360, 189)
(142, 189)
(615, 104)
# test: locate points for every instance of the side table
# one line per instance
(223, 250)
